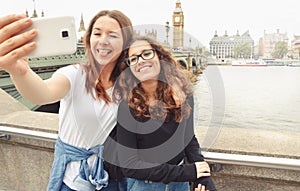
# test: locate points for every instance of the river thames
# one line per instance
(249, 97)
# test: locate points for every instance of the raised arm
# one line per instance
(14, 45)
(40, 91)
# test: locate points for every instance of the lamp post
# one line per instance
(167, 31)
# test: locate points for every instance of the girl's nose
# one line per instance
(140, 60)
(104, 40)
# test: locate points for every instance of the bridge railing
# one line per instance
(211, 157)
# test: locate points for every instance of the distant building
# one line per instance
(151, 33)
(268, 41)
(178, 26)
(295, 47)
(223, 46)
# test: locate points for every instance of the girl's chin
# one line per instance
(146, 78)
(103, 62)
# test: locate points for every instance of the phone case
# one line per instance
(56, 36)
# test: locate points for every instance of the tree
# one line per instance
(242, 51)
(280, 50)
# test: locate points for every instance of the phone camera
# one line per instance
(64, 33)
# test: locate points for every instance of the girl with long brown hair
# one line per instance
(87, 113)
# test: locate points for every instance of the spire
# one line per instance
(81, 27)
(34, 15)
(216, 34)
(225, 33)
(81, 30)
(178, 6)
(27, 15)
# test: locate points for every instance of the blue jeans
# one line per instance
(144, 185)
(112, 186)
(64, 187)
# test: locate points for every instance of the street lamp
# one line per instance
(167, 31)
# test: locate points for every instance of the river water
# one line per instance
(249, 97)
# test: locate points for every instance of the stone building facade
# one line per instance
(268, 41)
(222, 47)
(294, 52)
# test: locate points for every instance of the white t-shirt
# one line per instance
(83, 121)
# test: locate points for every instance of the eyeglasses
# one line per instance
(146, 55)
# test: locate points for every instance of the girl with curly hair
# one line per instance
(157, 147)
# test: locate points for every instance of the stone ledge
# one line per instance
(9, 105)
(39, 121)
(253, 142)
(14, 114)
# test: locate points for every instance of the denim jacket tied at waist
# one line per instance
(86, 180)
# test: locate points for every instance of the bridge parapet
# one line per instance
(247, 157)
(191, 60)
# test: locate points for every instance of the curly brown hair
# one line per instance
(173, 84)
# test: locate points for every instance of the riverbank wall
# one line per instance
(26, 152)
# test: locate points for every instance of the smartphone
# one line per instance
(56, 36)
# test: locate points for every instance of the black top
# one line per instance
(152, 150)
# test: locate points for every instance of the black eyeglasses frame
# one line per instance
(127, 60)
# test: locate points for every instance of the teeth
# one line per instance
(103, 51)
(144, 68)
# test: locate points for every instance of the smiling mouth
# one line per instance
(144, 68)
(103, 52)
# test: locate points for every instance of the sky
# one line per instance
(202, 18)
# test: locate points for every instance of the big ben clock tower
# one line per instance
(178, 23)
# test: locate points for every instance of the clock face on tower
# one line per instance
(177, 19)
